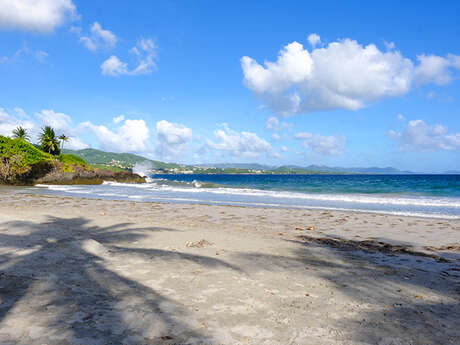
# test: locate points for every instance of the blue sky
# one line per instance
(275, 82)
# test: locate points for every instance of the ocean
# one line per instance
(411, 195)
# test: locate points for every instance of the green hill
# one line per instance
(117, 160)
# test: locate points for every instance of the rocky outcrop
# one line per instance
(48, 173)
(85, 176)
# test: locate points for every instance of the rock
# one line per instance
(300, 229)
(311, 228)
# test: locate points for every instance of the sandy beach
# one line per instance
(85, 271)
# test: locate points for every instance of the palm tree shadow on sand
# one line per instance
(53, 276)
(366, 275)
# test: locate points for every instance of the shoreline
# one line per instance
(281, 205)
(78, 270)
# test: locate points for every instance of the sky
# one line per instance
(273, 82)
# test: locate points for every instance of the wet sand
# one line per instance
(82, 271)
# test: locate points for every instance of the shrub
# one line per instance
(17, 157)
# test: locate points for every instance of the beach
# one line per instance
(90, 271)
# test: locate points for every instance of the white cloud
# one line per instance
(145, 53)
(314, 39)
(325, 145)
(419, 136)
(75, 144)
(389, 45)
(40, 55)
(284, 149)
(118, 119)
(274, 124)
(172, 138)
(8, 122)
(401, 117)
(59, 121)
(132, 136)
(276, 137)
(341, 75)
(35, 15)
(244, 144)
(436, 69)
(99, 38)
(114, 67)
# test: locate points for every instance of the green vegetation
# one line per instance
(72, 159)
(23, 163)
(49, 142)
(108, 168)
(21, 133)
(18, 157)
(120, 160)
(70, 162)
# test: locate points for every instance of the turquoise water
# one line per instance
(416, 195)
(423, 185)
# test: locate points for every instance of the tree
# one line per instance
(63, 138)
(21, 133)
(49, 142)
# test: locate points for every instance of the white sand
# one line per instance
(80, 271)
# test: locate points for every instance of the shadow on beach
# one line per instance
(58, 286)
(60, 272)
(369, 274)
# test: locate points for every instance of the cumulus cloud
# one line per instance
(99, 38)
(284, 149)
(35, 15)
(436, 69)
(419, 136)
(145, 54)
(341, 75)
(131, 136)
(8, 122)
(314, 39)
(241, 144)
(75, 144)
(172, 138)
(61, 122)
(325, 145)
(276, 137)
(114, 67)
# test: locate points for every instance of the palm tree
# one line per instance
(48, 141)
(21, 133)
(63, 138)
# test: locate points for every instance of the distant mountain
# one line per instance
(128, 160)
(252, 166)
(452, 172)
(296, 169)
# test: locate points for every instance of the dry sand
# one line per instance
(81, 271)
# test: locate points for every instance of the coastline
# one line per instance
(136, 272)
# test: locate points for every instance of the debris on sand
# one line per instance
(199, 244)
(369, 246)
(311, 228)
(299, 229)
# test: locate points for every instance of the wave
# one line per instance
(346, 198)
